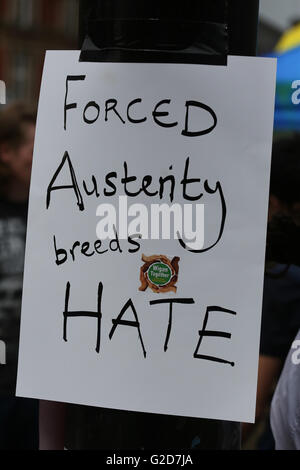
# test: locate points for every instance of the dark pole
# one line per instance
(243, 24)
(127, 24)
(84, 8)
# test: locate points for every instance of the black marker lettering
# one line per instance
(85, 248)
(171, 302)
(129, 179)
(72, 251)
(97, 246)
(116, 242)
(74, 185)
(162, 182)
(60, 253)
(187, 181)
(147, 180)
(186, 131)
(157, 114)
(72, 105)
(223, 219)
(109, 183)
(133, 242)
(94, 190)
(135, 324)
(84, 314)
(130, 119)
(90, 105)
(219, 334)
(111, 105)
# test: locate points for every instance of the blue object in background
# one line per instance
(287, 114)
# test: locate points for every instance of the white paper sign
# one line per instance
(174, 334)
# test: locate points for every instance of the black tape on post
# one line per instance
(154, 31)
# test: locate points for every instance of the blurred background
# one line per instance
(276, 16)
(30, 27)
(27, 29)
(279, 36)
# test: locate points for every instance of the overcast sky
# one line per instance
(280, 12)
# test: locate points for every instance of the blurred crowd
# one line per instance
(18, 417)
(281, 300)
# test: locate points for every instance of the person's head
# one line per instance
(17, 128)
(285, 178)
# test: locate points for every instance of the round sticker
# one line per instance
(159, 274)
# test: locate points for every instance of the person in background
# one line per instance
(285, 407)
(18, 417)
(281, 301)
(284, 414)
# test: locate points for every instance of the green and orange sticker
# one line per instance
(159, 273)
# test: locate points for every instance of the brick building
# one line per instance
(27, 29)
